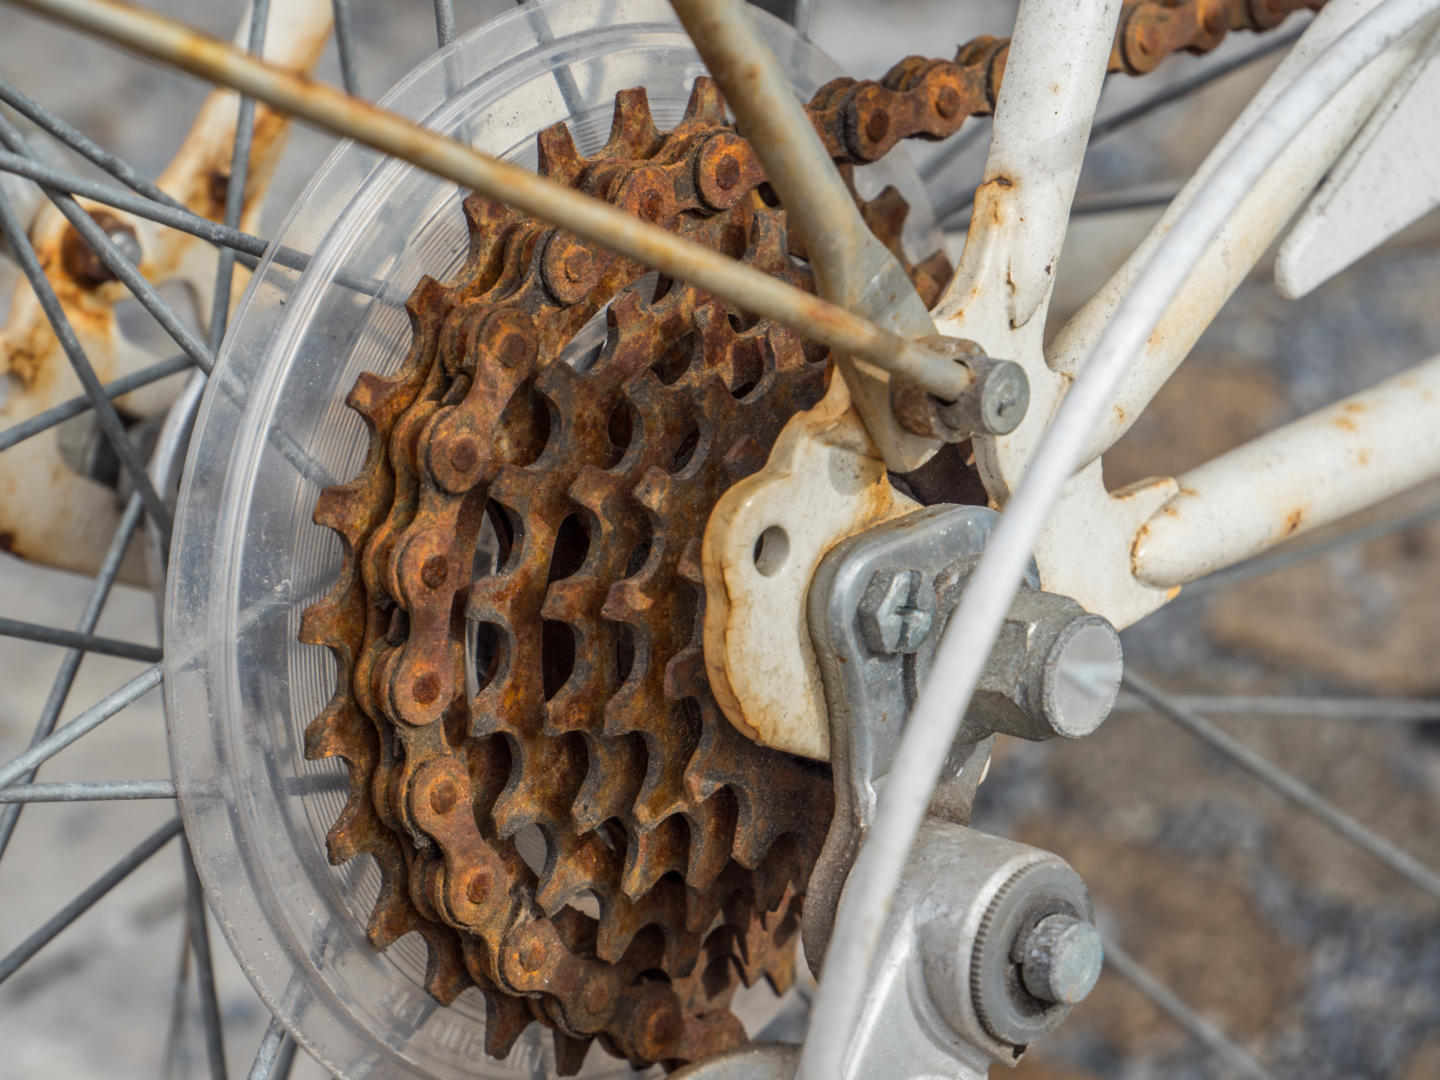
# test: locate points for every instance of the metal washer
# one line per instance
(1005, 1007)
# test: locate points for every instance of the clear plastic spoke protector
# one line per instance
(247, 560)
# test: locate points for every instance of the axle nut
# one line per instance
(1060, 959)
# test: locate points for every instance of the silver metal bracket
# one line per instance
(989, 943)
(870, 689)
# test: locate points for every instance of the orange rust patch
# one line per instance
(1344, 423)
(1293, 520)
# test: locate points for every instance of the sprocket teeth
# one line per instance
(339, 731)
(712, 838)
(653, 853)
(541, 788)
(632, 129)
(570, 1052)
(342, 508)
(706, 104)
(611, 781)
(445, 974)
(685, 674)
(506, 1019)
(571, 868)
(931, 275)
(559, 160)
(885, 216)
(392, 917)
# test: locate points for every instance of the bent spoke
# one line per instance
(1407, 866)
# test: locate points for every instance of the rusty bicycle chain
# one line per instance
(860, 121)
(594, 722)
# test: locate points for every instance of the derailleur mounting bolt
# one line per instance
(895, 612)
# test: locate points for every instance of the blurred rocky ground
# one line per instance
(1302, 948)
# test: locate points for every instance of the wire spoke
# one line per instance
(105, 413)
(115, 261)
(958, 144)
(444, 22)
(88, 791)
(285, 1061)
(47, 121)
(569, 92)
(235, 186)
(1125, 199)
(175, 1025)
(86, 722)
(27, 949)
(176, 218)
(56, 414)
(70, 662)
(1202, 1030)
(1284, 784)
(345, 46)
(74, 639)
(1122, 200)
(204, 967)
(250, 248)
(1375, 709)
(277, 1051)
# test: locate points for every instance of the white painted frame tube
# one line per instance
(1311, 472)
(1232, 253)
(932, 725)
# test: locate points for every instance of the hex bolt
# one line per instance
(895, 612)
(1061, 958)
